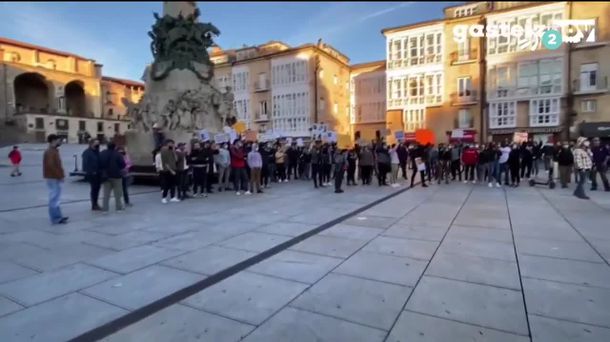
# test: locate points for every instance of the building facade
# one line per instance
(367, 100)
(283, 90)
(44, 91)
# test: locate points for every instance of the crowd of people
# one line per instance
(247, 168)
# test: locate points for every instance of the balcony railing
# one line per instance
(464, 97)
(261, 117)
(468, 56)
(261, 86)
(601, 86)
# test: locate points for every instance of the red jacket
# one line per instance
(470, 156)
(15, 157)
(238, 157)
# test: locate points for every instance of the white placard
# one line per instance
(204, 135)
(222, 138)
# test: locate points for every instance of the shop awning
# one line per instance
(595, 129)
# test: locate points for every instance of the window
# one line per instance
(100, 126)
(117, 128)
(463, 50)
(588, 76)
(502, 114)
(415, 119)
(39, 124)
(544, 112)
(588, 106)
(82, 125)
(464, 87)
(110, 112)
(464, 119)
(335, 108)
(528, 75)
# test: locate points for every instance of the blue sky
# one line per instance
(114, 33)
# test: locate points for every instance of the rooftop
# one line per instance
(41, 48)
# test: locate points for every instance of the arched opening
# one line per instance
(76, 101)
(31, 93)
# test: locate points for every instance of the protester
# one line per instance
(565, 162)
(403, 158)
(198, 162)
(182, 170)
(255, 161)
(492, 155)
(316, 174)
(366, 163)
(395, 164)
(222, 161)
(470, 158)
(292, 162)
(482, 164)
(265, 153)
(53, 173)
(15, 157)
(112, 165)
(304, 163)
(527, 160)
(340, 166)
(456, 172)
(326, 164)
(514, 164)
(583, 164)
(418, 164)
(126, 177)
(444, 164)
(601, 157)
(91, 168)
(167, 171)
(383, 164)
(536, 156)
(352, 159)
(431, 161)
(503, 165)
(238, 165)
(280, 164)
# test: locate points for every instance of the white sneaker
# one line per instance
(490, 185)
(498, 185)
(474, 182)
(248, 193)
(465, 182)
(238, 193)
(164, 201)
(175, 200)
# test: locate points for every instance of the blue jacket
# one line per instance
(112, 164)
(91, 161)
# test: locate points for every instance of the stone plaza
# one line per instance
(446, 263)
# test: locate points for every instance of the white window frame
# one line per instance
(415, 118)
(463, 50)
(588, 105)
(589, 76)
(545, 111)
(464, 118)
(464, 87)
(503, 114)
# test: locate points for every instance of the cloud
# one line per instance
(385, 11)
(40, 24)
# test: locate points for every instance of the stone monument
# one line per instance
(181, 97)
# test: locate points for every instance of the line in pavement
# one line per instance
(119, 323)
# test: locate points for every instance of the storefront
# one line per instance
(468, 136)
(544, 134)
(596, 130)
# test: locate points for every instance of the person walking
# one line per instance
(366, 161)
(514, 165)
(565, 162)
(470, 158)
(601, 157)
(91, 168)
(112, 165)
(15, 158)
(255, 161)
(340, 166)
(395, 164)
(352, 159)
(583, 164)
(126, 179)
(53, 173)
(418, 164)
(223, 166)
(167, 171)
(238, 165)
(280, 164)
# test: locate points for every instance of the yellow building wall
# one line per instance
(331, 93)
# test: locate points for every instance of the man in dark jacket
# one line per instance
(403, 156)
(340, 164)
(112, 165)
(91, 167)
(565, 161)
(293, 161)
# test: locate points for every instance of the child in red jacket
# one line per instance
(15, 157)
(470, 158)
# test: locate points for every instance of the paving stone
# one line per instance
(44, 286)
(7, 306)
(295, 325)
(477, 221)
(564, 270)
(415, 327)
(254, 241)
(10, 271)
(191, 241)
(68, 254)
(415, 232)
(135, 258)
(180, 323)
(297, 266)
(479, 233)
(379, 222)
(371, 303)
(559, 249)
(547, 233)
(417, 249)
(57, 320)
(383, 267)
(209, 260)
(546, 329)
(286, 228)
(488, 249)
(482, 305)
(16, 250)
(328, 245)
(127, 240)
(476, 270)
(142, 287)
(575, 303)
(347, 231)
(246, 297)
